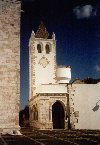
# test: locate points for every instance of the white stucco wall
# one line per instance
(52, 88)
(63, 74)
(44, 75)
(85, 98)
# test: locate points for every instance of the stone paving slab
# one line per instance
(53, 137)
(18, 140)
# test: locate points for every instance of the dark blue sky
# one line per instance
(77, 28)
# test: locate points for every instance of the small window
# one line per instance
(36, 115)
(47, 48)
(39, 48)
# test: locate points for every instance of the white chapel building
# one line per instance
(53, 102)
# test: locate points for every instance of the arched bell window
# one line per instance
(39, 48)
(47, 48)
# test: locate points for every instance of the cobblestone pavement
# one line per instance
(53, 137)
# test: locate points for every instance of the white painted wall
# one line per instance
(63, 74)
(52, 88)
(85, 98)
(45, 75)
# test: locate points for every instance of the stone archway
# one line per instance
(58, 115)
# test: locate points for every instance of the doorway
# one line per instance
(58, 116)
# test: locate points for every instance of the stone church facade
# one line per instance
(48, 97)
(9, 65)
(54, 103)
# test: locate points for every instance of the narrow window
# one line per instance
(36, 115)
(39, 48)
(47, 48)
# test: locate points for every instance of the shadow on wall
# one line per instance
(24, 117)
(96, 107)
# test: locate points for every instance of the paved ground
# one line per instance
(53, 137)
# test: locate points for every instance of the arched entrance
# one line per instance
(58, 116)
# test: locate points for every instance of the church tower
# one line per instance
(47, 93)
(42, 59)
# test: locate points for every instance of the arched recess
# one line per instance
(47, 48)
(39, 48)
(58, 115)
(34, 113)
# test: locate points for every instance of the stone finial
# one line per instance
(53, 36)
(32, 34)
(42, 32)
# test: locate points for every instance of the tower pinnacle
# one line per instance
(42, 31)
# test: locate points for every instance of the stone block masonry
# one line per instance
(9, 64)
